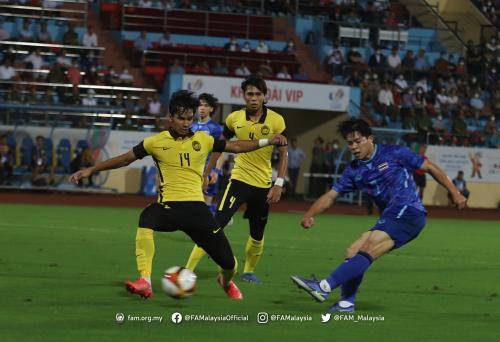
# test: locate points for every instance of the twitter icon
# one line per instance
(325, 318)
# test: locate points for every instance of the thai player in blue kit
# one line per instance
(383, 172)
(208, 105)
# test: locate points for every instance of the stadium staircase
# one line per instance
(448, 33)
(311, 64)
(115, 55)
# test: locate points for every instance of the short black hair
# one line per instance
(256, 81)
(355, 125)
(210, 99)
(182, 100)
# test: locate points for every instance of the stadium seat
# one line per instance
(26, 148)
(81, 145)
(48, 146)
(64, 156)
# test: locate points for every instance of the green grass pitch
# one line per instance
(62, 269)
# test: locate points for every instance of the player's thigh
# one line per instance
(234, 196)
(159, 217)
(354, 248)
(202, 228)
(377, 244)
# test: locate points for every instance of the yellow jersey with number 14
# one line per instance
(254, 168)
(180, 162)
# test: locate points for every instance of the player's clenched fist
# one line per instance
(307, 222)
(278, 140)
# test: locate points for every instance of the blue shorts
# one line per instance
(212, 189)
(401, 223)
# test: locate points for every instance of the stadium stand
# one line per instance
(53, 71)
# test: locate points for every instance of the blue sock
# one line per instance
(349, 270)
(350, 288)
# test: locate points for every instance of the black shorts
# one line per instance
(420, 179)
(194, 219)
(235, 195)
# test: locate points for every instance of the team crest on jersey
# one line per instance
(383, 166)
(196, 145)
(265, 130)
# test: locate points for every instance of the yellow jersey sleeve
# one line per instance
(148, 144)
(279, 125)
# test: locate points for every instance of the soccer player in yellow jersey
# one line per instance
(180, 156)
(250, 181)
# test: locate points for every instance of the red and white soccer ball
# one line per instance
(178, 282)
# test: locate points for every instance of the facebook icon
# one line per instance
(176, 317)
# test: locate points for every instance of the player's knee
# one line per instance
(351, 251)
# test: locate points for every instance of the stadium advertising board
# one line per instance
(280, 94)
(480, 165)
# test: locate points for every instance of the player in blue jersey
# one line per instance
(383, 172)
(208, 105)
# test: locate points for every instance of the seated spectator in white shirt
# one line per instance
(126, 77)
(246, 47)
(284, 74)
(394, 61)
(385, 96)
(4, 34)
(35, 59)
(232, 45)
(401, 83)
(145, 3)
(154, 106)
(63, 60)
(262, 47)
(476, 102)
(51, 4)
(289, 47)
(422, 83)
(90, 38)
(7, 72)
(90, 100)
(242, 70)
(442, 100)
(166, 40)
(43, 35)
(142, 43)
(25, 34)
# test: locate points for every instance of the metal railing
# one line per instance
(81, 86)
(184, 57)
(46, 13)
(25, 48)
(161, 20)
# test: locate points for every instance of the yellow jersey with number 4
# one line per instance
(254, 168)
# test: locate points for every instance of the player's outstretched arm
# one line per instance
(241, 146)
(442, 178)
(109, 164)
(321, 204)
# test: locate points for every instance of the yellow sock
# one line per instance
(144, 251)
(227, 275)
(196, 254)
(253, 252)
